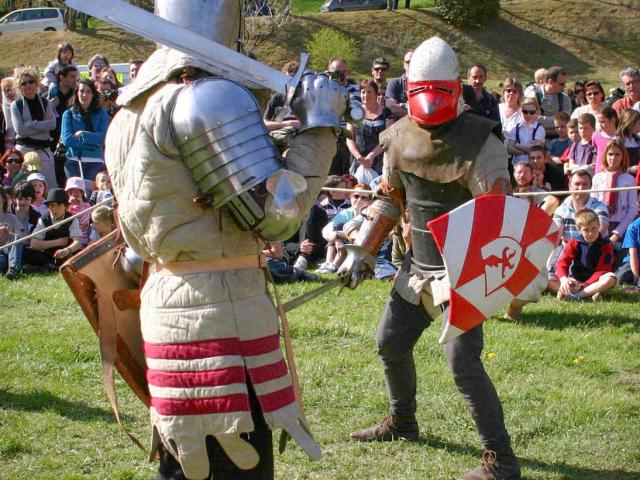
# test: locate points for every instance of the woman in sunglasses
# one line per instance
(595, 101)
(11, 162)
(510, 113)
(526, 133)
(33, 118)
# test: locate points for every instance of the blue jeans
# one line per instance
(11, 257)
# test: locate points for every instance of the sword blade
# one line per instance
(223, 60)
(305, 297)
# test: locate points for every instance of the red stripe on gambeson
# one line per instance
(268, 372)
(192, 350)
(211, 348)
(276, 400)
(205, 378)
(238, 402)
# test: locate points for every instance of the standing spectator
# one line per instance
(64, 59)
(585, 267)
(364, 146)
(623, 206)
(338, 70)
(33, 118)
(527, 133)
(84, 127)
(379, 71)
(583, 153)
(630, 78)
(539, 76)
(628, 130)
(551, 98)
(277, 116)
(396, 99)
(96, 64)
(476, 98)
(557, 146)
(107, 88)
(10, 229)
(608, 122)
(578, 97)
(509, 108)
(60, 96)
(56, 245)
(134, 68)
(11, 161)
(9, 95)
(595, 97)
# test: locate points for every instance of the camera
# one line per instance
(109, 95)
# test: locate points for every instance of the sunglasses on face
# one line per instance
(380, 69)
(357, 196)
(27, 82)
(529, 112)
(98, 65)
(588, 94)
(510, 90)
(15, 161)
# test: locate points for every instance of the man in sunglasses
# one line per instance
(380, 70)
(551, 98)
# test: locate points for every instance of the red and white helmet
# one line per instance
(433, 83)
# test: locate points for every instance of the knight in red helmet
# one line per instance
(436, 159)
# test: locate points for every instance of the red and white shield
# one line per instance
(493, 247)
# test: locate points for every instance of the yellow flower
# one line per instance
(489, 355)
(579, 359)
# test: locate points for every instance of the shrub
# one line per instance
(467, 13)
(328, 43)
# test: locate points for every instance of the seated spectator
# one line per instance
(64, 58)
(334, 201)
(628, 130)
(84, 126)
(551, 98)
(585, 267)
(53, 247)
(23, 194)
(9, 94)
(78, 203)
(629, 271)
(366, 152)
(11, 161)
(526, 133)
(608, 121)
(335, 234)
(277, 116)
(582, 155)
(39, 183)
(102, 223)
(33, 118)
(546, 175)
(574, 135)
(279, 267)
(557, 146)
(523, 175)
(10, 230)
(595, 97)
(509, 108)
(104, 190)
(623, 206)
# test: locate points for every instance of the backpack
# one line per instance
(537, 89)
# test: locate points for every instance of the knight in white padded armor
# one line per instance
(216, 374)
(436, 159)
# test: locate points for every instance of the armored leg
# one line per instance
(463, 356)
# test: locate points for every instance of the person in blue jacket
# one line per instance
(84, 127)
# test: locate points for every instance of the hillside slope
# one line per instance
(577, 34)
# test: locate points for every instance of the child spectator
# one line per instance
(608, 121)
(102, 223)
(335, 234)
(54, 246)
(557, 146)
(28, 217)
(574, 136)
(278, 265)
(629, 271)
(64, 58)
(11, 257)
(104, 190)
(585, 266)
(334, 202)
(39, 183)
(78, 203)
(623, 206)
(527, 133)
(583, 154)
(628, 130)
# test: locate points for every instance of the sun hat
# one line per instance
(74, 182)
(37, 176)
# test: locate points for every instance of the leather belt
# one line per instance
(204, 266)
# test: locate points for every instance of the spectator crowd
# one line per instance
(53, 127)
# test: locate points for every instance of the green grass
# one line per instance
(568, 375)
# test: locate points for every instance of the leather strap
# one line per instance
(217, 265)
(126, 299)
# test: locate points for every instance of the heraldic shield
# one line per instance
(493, 247)
(110, 300)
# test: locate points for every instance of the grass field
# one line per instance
(568, 375)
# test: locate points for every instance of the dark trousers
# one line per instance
(221, 466)
(399, 329)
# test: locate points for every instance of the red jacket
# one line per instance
(585, 262)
